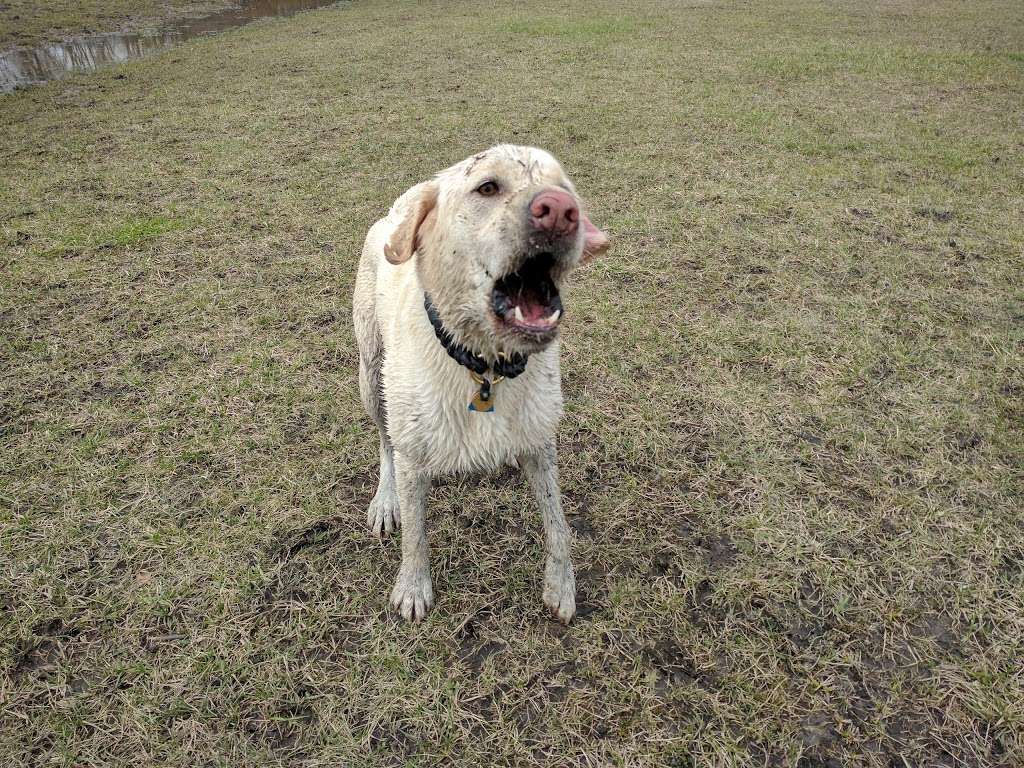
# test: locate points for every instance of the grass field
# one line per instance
(32, 22)
(793, 448)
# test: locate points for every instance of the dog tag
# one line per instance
(483, 400)
(480, 405)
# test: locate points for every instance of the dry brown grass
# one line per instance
(793, 448)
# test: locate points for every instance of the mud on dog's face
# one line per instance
(496, 235)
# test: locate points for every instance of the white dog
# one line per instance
(456, 312)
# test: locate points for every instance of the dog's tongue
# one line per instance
(529, 309)
(528, 299)
(533, 311)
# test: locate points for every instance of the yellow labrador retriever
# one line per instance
(456, 312)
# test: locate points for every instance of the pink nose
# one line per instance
(555, 211)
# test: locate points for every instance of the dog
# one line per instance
(456, 310)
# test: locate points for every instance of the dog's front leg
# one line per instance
(541, 470)
(413, 594)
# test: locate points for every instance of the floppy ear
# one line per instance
(406, 237)
(595, 242)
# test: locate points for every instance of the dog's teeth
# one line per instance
(553, 317)
(519, 315)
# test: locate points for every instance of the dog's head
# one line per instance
(495, 237)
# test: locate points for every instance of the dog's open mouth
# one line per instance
(527, 300)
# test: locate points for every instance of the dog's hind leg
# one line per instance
(541, 469)
(383, 515)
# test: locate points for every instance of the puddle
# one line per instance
(22, 67)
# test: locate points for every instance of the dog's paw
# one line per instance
(413, 595)
(383, 516)
(560, 591)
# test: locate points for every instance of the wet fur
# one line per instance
(438, 237)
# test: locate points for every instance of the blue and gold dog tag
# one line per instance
(483, 400)
(480, 405)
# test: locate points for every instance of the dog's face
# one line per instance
(496, 236)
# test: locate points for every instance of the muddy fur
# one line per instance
(444, 238)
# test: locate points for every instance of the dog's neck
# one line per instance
(506, 366)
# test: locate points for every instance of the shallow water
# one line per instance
(22, 67)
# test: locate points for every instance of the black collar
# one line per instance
(508, 366)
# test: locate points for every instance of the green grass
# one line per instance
(582, 29)
(134, 232)
(792, 453)
(139, 231)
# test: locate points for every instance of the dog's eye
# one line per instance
(488, 188)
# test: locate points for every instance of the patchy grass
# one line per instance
(132, 233)
(792, 454)
(139, 231)
(581, 29)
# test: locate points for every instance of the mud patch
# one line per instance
(721, 552)
(810, 619)
(581, 525)
(38, 656)
(718, 552)
(591, 591)
(819, 736)
(934, 214)
(674, 668)
(472, 651)
(939, 630)
(318, 535)
(552, 691)
(281, 729)
(474, 656)
(394, 739)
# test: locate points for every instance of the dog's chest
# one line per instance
(429, 415)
